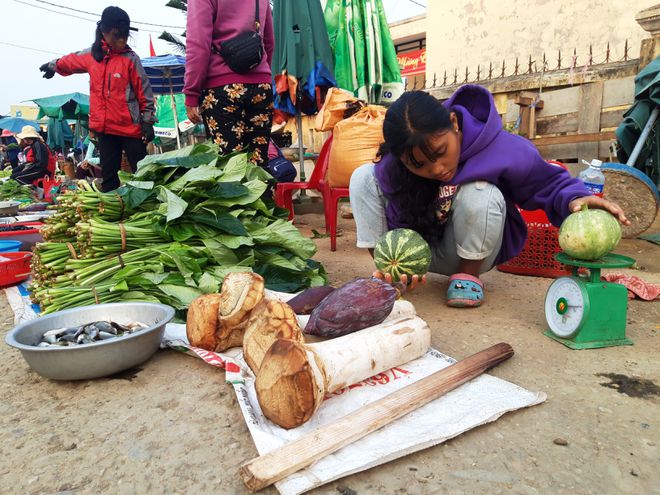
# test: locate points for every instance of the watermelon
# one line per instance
(589, 234)
(402, 251)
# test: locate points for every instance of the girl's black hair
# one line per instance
(97, 47)
(409, 123)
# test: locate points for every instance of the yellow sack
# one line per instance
(355, 142)
(337, 102)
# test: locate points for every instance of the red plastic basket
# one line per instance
(537, 257)
(15, 267)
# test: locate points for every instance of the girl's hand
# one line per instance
(402, 284)
(193, 114)
(603, 204)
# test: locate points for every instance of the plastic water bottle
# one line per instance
(593, 178)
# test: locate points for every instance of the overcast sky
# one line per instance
(36, 31)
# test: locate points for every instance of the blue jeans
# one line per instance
(472, 232)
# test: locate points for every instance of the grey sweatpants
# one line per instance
(473, 231)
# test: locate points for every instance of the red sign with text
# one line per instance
(413, 62)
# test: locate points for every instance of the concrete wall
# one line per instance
(473, 32)
(28, 112)
(408, 29)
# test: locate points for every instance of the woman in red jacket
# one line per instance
(121, 101)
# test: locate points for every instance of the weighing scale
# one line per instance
(584, 312)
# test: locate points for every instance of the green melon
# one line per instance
(589, 234)
(402, 251)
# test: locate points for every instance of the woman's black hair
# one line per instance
(111, 18)
(97, 47)
(410, 122)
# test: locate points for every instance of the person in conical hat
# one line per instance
(39, 161)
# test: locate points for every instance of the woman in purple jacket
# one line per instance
(450, 172)
(236, 108)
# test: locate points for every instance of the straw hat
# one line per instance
(6, 133)
(28, 132)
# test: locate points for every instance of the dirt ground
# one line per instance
(174, 426)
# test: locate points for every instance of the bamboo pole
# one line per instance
(298, 454)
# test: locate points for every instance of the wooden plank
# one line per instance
(563, 152)
(288, 459)
(611, 118)
(568, 152)
(574, 138)
(558, 124)
(561, 100)
(591, 101)
(619, 92)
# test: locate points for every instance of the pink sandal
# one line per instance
(465, 291)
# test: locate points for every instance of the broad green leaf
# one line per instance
(222, 271)
(184, 294)
(280, 279)
(208, 284)
(226, 190)
(119, 287)
(235, 168)
(222, 221)
(295, 264)
(258, 173)
(222, 254)
(138, 296)
(283, 233)
(235, 241)
(172, 206)
(181, 232)
(256, 189)
(204, 174)
(141, 184)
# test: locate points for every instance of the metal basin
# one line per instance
(9, 207)
(98, 358)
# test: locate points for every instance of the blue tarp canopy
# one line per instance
(165, 73)
(16, 124)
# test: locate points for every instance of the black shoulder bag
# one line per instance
(244, 52)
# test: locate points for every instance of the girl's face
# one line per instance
(116, 41)
(444, 149)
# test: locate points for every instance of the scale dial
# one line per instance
(566, 306)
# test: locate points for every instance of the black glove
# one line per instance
(147, 132)
(48, 72)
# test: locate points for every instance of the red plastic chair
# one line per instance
(284, 190)
(331, 197)
(317, 181)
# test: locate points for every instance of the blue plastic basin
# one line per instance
(10, 246)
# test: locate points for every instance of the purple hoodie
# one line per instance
(510, 162)
(211, 22)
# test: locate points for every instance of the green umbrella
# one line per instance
(365, 58)
(302, 60)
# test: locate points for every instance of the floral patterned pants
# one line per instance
(238, 117)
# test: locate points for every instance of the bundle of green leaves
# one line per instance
(11, 189)
(171, 233)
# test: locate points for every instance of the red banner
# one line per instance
(413, 62)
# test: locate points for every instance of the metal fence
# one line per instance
(530, 67)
